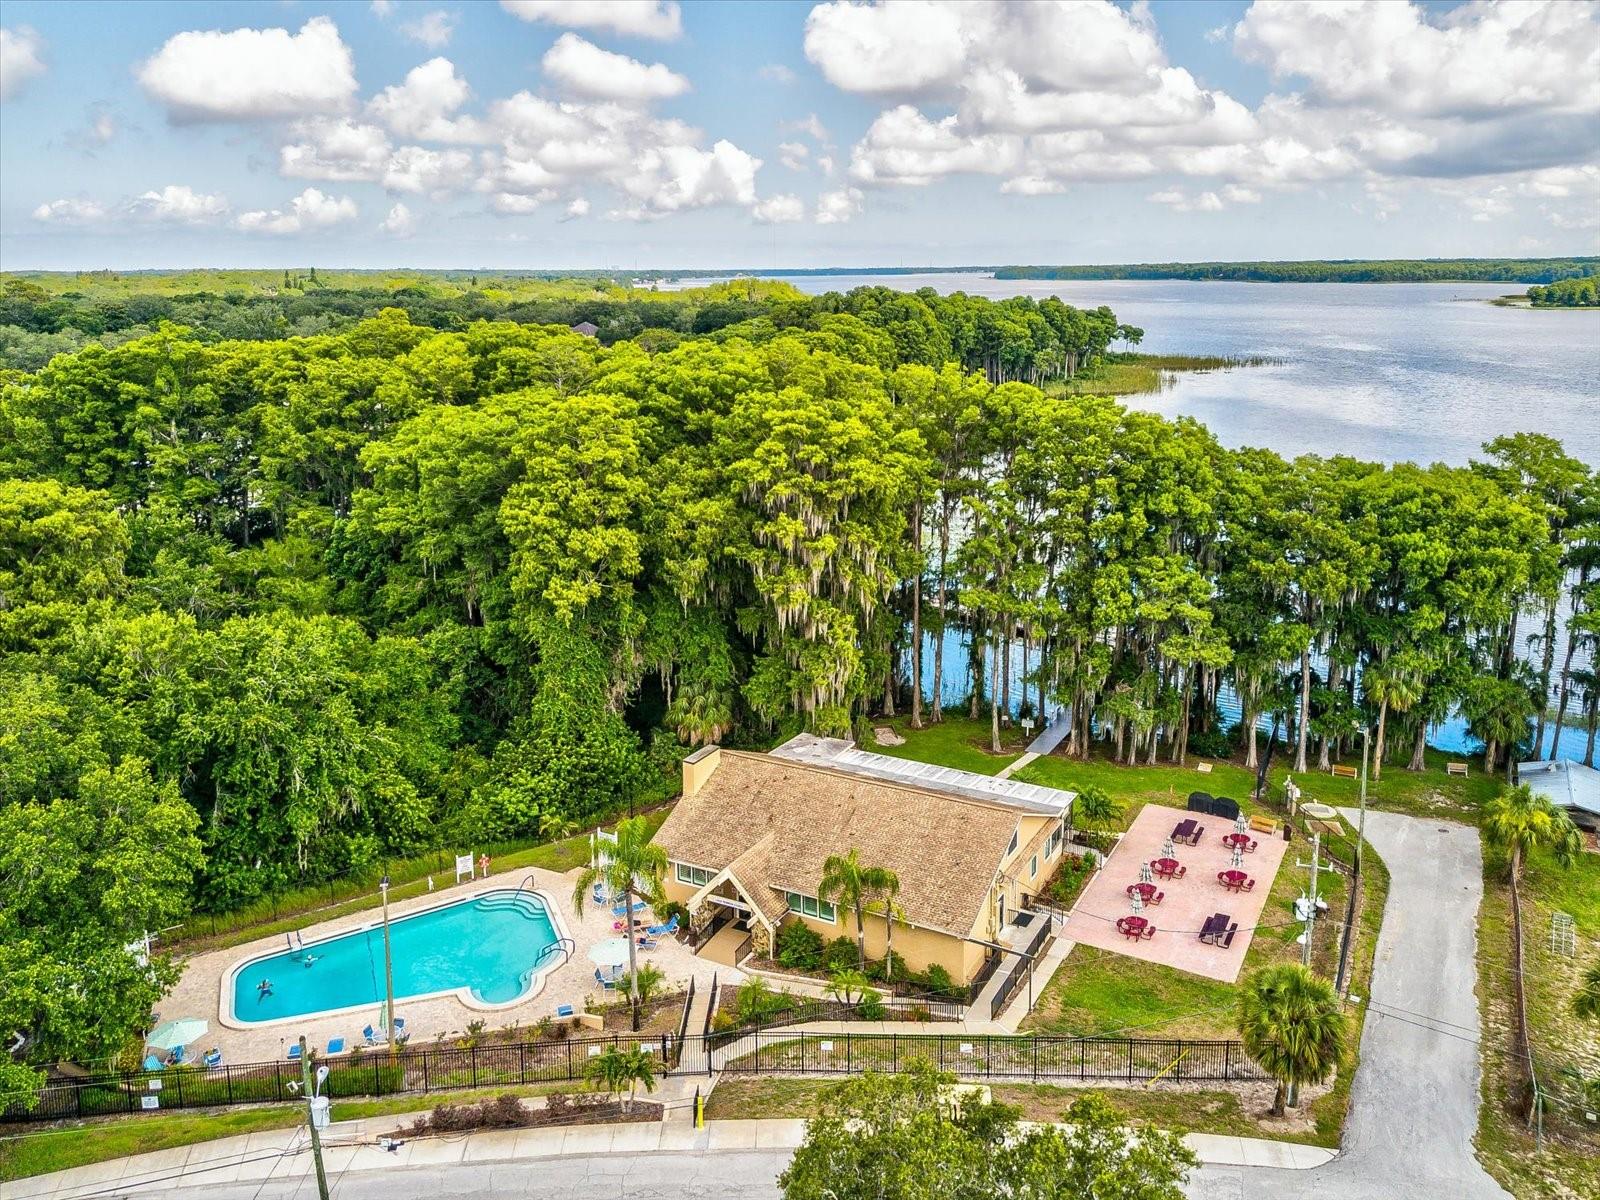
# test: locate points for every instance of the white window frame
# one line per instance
(820, 910)
(1033, 867)
(686, 873)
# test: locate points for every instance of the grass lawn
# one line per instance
(238, 928)
(58, 1147)
(1569, 1165)
(954, 742)
(1182, 1110)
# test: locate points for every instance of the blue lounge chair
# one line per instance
(563, 1010)
(648, 943)
(178, 1053)
(399, 1024)
(336, 1046)
(294, 1052)
(622, 910)
(212, 1058)
(599, 893)
(370, 1035)
(152, 1063)
(608, 984)
(666, 930)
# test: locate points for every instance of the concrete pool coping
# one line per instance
(198, 992)
(225, 1000)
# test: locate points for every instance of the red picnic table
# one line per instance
(1243, 840)
(1235, 881)
(1146, 892)
(1136, 928)
(1167, 868)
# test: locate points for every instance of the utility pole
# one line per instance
(1361, 829)
(388, 969)
(1316, 868)
(311, 1118)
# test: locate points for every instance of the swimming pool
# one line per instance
(490, 950)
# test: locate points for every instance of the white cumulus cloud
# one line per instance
(779, 210)
(70, 212)
(178, 204)
(310, 210)
(20, 60)
(252, 74)
(835, 208)
(583, 69)
(425, 105)
(659, 19)
(400, 222)
(432, 29)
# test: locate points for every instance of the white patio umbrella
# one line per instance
(612, 952)
(1168, 850)
(1145, 874)
(1138, 901)
(169, 1035)
(1240, 825)
(1238, 857)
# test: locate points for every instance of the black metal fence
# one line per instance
(765, 1052)
(806, 1009)
(1022, 968)
(996, 1057)
(369, 1073)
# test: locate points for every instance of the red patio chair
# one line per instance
(1149, 932)
(1249, 884)
(1181, 872)
(1250, 849)
(1158, 898)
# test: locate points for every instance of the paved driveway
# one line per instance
(1414, 1104)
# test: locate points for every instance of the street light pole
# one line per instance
(388, 966)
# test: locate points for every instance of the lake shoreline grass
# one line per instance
(1133, 374)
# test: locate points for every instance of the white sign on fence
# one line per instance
(463, 866)
(149, 1101)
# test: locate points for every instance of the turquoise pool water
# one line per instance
(491, 945)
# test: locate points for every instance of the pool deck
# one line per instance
(200, 992)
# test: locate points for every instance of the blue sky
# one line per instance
(581, 133)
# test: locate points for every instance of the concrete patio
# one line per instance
(1188, 901)
(199, 993)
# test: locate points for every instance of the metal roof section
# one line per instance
(1567, 783)
(843, 755)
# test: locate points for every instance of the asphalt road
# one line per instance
(1414, 1104)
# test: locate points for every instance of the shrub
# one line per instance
(757, 1002)
(502, 1112)
(1216, 743)
(876, 969)
(839, 955)
(799, 946)
(937, 980)
(870, 1006)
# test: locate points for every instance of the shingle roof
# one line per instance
(945, 849)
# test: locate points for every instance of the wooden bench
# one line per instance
(1456, 769)
(1343, 772)
(1263, 824)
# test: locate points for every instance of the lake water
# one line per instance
(1389, 372)
(1382, 371)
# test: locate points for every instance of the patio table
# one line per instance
(1242, 840)
(1184, 830)
(1215, 926)
(1164, 868)
(1147, 891)
(1132, 927)
(1232, 880)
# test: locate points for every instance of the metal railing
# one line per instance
(806, 1009)
(762, 1051)
(1022, 969)
(997, 1057)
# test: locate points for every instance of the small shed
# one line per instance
(1573, 786)
(587, 328)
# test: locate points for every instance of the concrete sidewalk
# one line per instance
(284, 1156)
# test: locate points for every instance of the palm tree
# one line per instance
(633, 867)
(1092, 808)
(847, 883)
(1395, 687)
(1587, 1002)
(1294, 1026)
(647, 981)
(1519, 819)
(892, 912)
(622, 1069)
